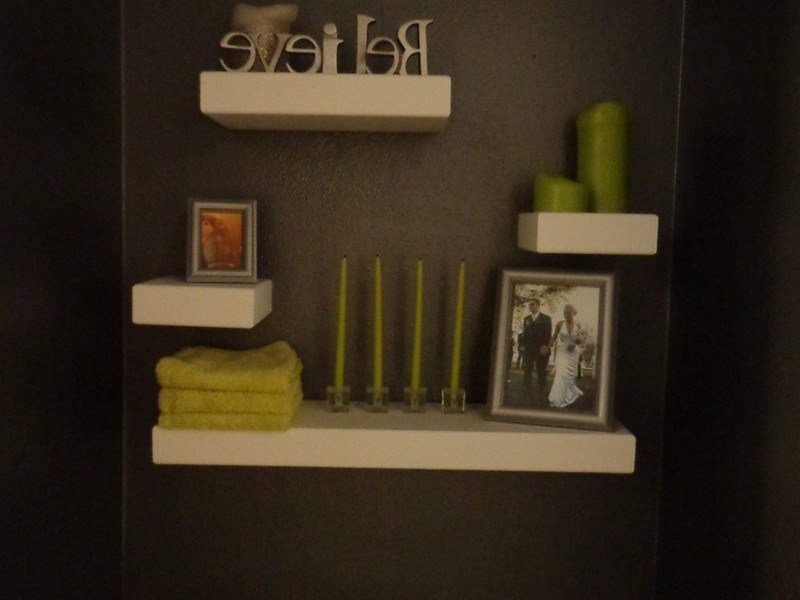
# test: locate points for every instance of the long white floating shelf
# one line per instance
(588, 233)
(173, 301)
(326, 102)
(399, 440)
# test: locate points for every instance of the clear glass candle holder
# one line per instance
(454, 401)
(415, 399)
(378, 400)
(338, 399)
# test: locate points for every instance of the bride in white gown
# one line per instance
(568, 339)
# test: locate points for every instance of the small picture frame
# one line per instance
(552, 353)
(221, 241)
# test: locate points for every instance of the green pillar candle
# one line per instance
(553, 193)
(603, 149)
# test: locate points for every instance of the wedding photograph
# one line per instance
(553, 344)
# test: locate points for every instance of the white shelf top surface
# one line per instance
(399, 440)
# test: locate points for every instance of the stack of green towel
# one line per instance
(210, 388)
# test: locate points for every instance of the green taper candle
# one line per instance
(416, 355)
(603, 149)
(455, 370)
(554, 193)
(377, 336)
(338, 379)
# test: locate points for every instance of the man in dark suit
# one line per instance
(537, 329)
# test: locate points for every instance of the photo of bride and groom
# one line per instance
(551, 359)
(555, 348)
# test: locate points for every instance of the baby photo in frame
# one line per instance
(553, 349)
(221, 241)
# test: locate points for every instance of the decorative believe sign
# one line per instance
(262, 46)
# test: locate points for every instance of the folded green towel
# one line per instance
(173, 400)
(273, 368)
(230, 421)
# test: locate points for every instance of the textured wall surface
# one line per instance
(727, 493)
(520, 75)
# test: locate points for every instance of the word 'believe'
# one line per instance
(326, 57)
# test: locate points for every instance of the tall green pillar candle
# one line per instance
(603, 149)
(553, 193)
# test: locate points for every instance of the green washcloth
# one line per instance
(173, 400)
(229, 421)
(273, 369)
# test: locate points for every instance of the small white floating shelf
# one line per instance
(588, 233)
(399, 440)
(326, 102)
(173, 301)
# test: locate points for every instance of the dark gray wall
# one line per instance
(520, 75)
(730, 510)
(729, 520)
(60, 305)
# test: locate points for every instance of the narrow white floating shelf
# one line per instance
(588, 233)
(399, 440)
(173, 301)
(326, 102)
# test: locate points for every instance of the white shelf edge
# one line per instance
(326, 102)
(588, 233)
(173, 301)
(399, 440)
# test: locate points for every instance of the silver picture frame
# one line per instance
(221, 241)
(566, 381)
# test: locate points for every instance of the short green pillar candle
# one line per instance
(554, 193)
(603, 149)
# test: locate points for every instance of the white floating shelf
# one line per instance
(326, 102)
(399, 440)
(173, 301)
(588, 233)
